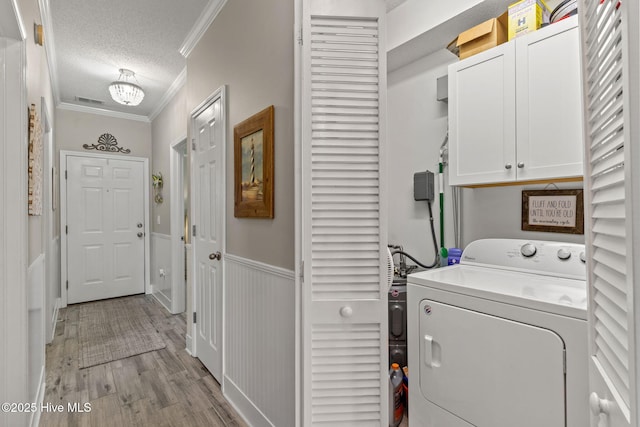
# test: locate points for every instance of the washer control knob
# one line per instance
(564, 253)
(528, 250)
(583, 257)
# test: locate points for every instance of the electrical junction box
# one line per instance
(423, 186)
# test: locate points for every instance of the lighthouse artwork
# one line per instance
(252, 182)
(253, 166)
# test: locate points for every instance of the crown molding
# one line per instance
(102, 112)
(11, 22)
(49, 47)
(207, 17)
(177, 84)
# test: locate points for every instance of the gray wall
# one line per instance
(417, 126)
(169, 127)
(73, 129)
(249, 48)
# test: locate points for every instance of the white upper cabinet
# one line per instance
(515, 110)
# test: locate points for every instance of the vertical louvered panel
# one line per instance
(607, 183)
(345, 159)
(344, 230)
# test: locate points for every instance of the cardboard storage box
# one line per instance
(481, 37)
(527, 16)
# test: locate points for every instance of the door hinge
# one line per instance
(194, 231)
(193, 145)
(66, 229)
(299, 37)
(302, 271)
(67, 284)
(194, 317)
(65, 174)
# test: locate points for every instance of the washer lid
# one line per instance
(566, 297)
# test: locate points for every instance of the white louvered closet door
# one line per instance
(610, 47)
(344, 291)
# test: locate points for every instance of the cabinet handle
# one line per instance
(520, 165)
(507, 166)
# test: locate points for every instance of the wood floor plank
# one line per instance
(163, 388)
(128, 385)
(101, 382)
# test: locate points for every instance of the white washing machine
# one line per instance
(500, 340)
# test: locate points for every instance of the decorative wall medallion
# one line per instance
(107, 142)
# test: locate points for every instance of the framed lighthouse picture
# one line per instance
(253, 164)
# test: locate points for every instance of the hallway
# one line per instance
(166, 387)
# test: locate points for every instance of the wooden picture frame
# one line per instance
(555, 211)
(253, 166)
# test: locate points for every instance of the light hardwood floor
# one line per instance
(164, 388)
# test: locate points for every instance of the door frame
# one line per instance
(13, 211)
(176, 175)
(218, 93)
(63, 216)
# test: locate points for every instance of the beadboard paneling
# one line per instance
(260, 341)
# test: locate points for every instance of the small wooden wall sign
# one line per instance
(556, 211)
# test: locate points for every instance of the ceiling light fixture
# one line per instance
(125, 92)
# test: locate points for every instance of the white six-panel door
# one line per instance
(208, 182)
(105, 228)
(343, 214)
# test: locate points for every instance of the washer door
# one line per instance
(489, 371)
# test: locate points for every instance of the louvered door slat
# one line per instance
(608, 206)
(344, 229)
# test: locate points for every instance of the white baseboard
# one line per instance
(189, 345)
(161, 298)
(243, 405)
(54, 319)
(35, 415)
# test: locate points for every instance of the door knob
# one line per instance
(507, 166)
(216, 255)
(520, 165)
(599, 406)
(139, 225)
(140, 234)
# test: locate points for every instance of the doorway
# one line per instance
(208, 131)
(176, 295)
(104, 210)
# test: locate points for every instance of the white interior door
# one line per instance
(610, 63)
(344, 290)
(105, 228)
(208, 215)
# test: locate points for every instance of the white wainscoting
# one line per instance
(259, 373)
(53, 290)
(36, 331)
(161, 260)
(190, 267)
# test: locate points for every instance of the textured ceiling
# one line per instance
(95, 38)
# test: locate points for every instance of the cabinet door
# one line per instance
(549, 103)
(482, 118)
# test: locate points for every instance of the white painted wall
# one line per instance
(166, 129)
(417, 125)
(414, 17)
